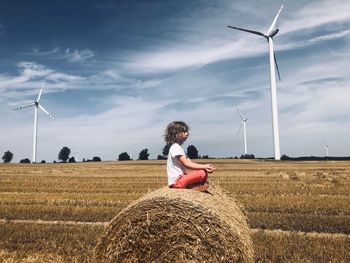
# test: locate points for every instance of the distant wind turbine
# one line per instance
(326, 146)
(37, 105)
(243, 121)
(269, 35)
(76, 155)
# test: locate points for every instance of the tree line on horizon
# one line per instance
(192, 153)
(64, 155)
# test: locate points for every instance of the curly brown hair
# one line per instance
(173, 129)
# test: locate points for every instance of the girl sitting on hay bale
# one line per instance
(176, 134)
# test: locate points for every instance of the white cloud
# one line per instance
(331, 36)
(176, 58)
(79, 56)
(52, 52)
(28, 71)
(29, 78)
(316, 14)
(70, 55)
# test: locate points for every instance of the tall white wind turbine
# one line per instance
(36, 105)
(273, 30)
(243, 121)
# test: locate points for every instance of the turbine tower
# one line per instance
(326, 146)
(269, 36)
(76, 155)
(36, 105)
(243, 121)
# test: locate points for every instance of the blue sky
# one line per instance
(117, 72)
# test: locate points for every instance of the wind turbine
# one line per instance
(269, 35)
(76, 155)
(36, 105)
(243, 121)
(326, 146)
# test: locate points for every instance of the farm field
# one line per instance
(298, 211)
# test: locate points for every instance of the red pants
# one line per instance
(196, 176)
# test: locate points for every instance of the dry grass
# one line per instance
(21, 242)
(293, 196)
(301, 247)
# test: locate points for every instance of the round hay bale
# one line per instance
(177, 225)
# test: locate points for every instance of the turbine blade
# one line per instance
(43, 109)
(240, 127)
(274, 22)
(26, 106)
(277, 69)
(239, 112)
(249, 31)
(41, 90)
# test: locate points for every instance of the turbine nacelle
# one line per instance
(273, 33)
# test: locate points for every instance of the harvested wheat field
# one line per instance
(297, 211)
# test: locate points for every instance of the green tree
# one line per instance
(192, 152)
(285, 157)
(96, 159)
(7, 157)
(64, 154)
(124, 157)
(143, 155)
(247, 156)
(166, 150)
(26, 160)
(161, 157)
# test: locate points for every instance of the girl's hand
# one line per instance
(209, 168)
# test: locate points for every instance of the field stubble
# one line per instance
(296, 197)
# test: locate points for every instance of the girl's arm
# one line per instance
(195, 166)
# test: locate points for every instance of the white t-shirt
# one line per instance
(173, 165)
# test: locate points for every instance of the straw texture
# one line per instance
(177, 225)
